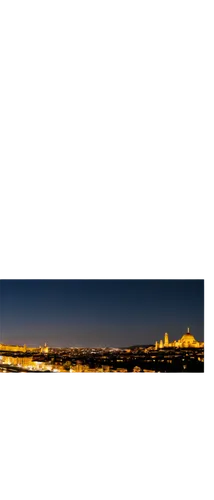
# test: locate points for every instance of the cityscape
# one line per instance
(83, 310)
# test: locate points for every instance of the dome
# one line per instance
(188, 338)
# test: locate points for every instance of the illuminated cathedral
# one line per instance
(187, 340)
(24, 348)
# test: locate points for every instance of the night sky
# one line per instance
(99, 312)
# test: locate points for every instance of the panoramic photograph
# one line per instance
(101, 326)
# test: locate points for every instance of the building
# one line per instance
(186, 341)
(99, 372)
(137, 369)
(16, 348)
(44, 349)
(26, 364)
(150, 373)
(166, 340)
(121, 370)
(106, 368)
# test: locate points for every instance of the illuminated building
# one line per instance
(106, 368)
(186, 341)
(149, 373)
(121, 370)
(99, 372)
(16, 348)
(44, 349)
(92, 372)
(137, 369)
(23, 362)
(73, 371)
(84, 369)
(166, 339)
(79, 368)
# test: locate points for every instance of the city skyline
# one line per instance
(99, 313)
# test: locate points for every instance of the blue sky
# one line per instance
(100, 312)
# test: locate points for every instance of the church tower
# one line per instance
(166, 339)
(45, 348)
